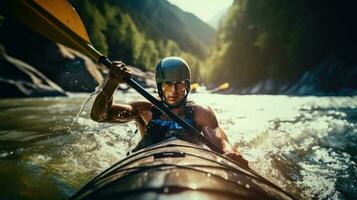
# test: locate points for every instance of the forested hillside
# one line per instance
(273, 45)
(142, 32)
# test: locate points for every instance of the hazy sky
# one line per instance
(204, 9)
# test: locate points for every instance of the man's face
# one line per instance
(174, 92)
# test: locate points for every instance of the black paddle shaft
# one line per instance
(105, 61)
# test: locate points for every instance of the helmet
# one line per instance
(173, 69)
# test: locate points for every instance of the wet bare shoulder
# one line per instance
(142, 109)
(205, 116)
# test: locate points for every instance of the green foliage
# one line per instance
(95, 24)
(279, 40)
(2, 18)
(140, 33)
(160, 20)
(232, 55)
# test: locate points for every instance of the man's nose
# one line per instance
(173, 87)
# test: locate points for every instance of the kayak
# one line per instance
(175, 169)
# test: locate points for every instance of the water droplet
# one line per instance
(209, 174)
(3, 155)
(193, 186)
(239, 182)
(247, 186)
(166, 189)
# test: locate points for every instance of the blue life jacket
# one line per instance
(158, 130)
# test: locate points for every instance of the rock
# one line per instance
(77, 72)
(70, 69)
(18, 79)
(330, 77)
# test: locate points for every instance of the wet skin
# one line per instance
(173, 92)
(103, 110)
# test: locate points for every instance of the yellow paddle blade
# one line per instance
(56, 20)
(194, 87)
(221, 87)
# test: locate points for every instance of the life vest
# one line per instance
(158, 130)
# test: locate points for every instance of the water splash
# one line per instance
(75, 119)
(306, 145)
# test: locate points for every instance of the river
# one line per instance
(306, 145)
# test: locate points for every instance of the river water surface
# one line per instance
(306, 145)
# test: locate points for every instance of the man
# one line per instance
(173, 84)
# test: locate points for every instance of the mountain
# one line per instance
(161, 19)
(217, 18)
(142, 32)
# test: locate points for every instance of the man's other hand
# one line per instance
(237, 157)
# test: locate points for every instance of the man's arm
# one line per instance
(103, 109)
(207, 122)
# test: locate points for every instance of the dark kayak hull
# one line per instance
(176, 169)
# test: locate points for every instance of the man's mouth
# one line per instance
(172, 97)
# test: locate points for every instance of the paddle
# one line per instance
(58, 21)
